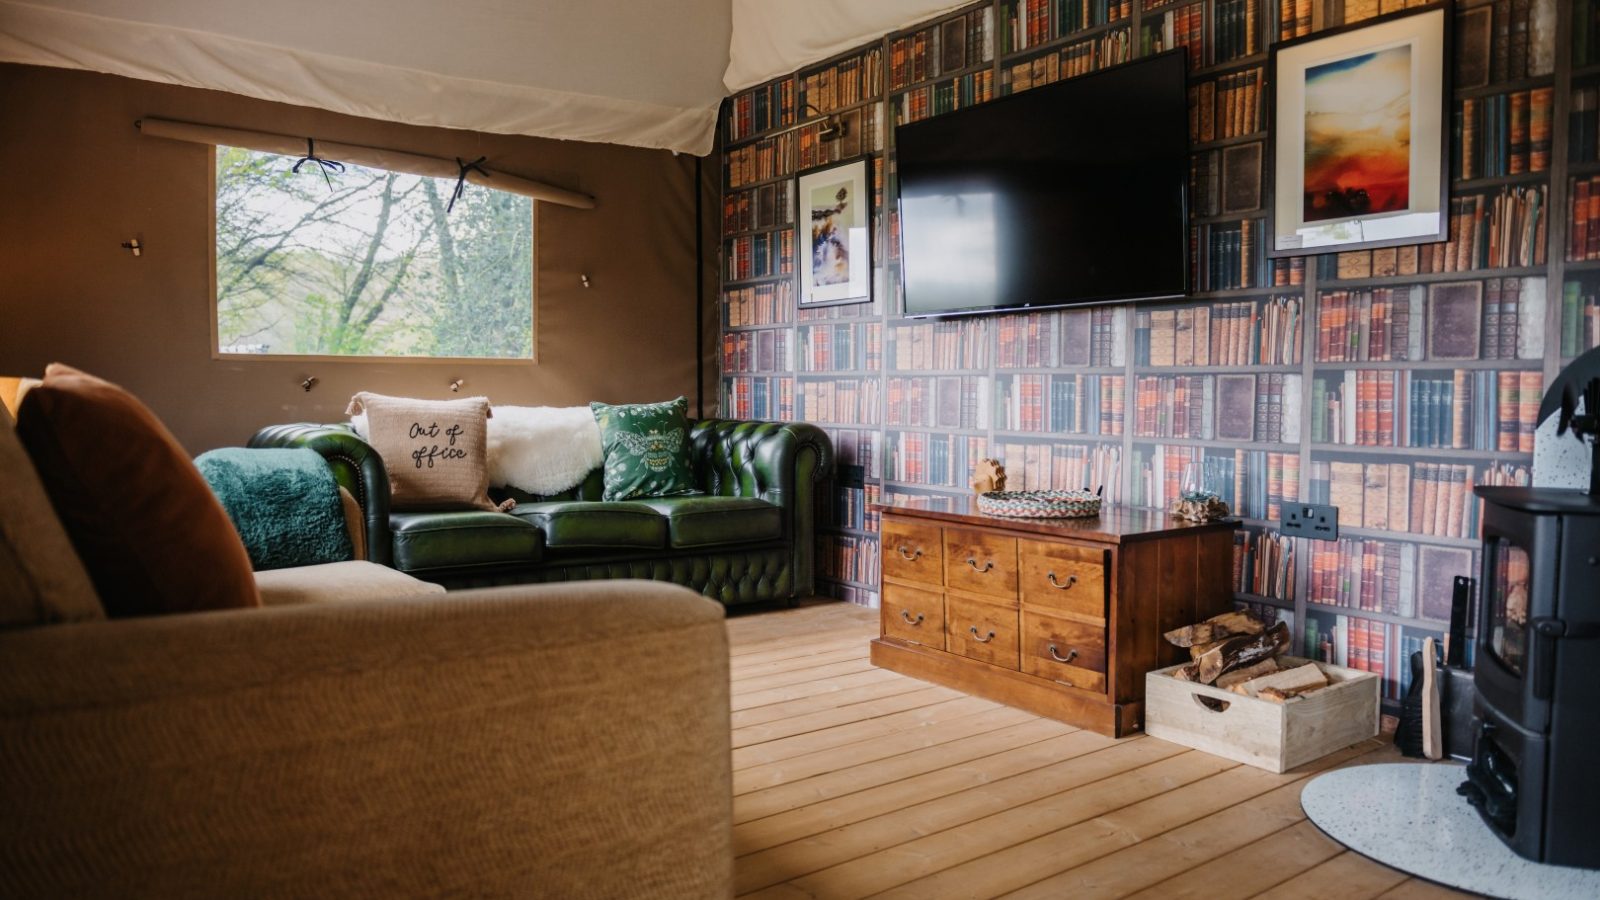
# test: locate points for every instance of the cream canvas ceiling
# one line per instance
(648, 73)
(771, 37)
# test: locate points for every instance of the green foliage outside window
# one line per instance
(368, 263)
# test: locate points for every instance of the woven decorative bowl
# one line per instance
(1040, 504)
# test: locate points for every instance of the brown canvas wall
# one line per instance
(81, 180)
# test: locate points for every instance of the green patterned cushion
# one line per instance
(646, 449)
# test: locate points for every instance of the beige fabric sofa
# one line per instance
(533, 741)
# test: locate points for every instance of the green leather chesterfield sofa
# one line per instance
(750, 538)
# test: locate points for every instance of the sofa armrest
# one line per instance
(559, 740)
(780, 462)
(356, 466)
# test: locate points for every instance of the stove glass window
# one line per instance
(1508, 603)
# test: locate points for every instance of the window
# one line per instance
(367, 262)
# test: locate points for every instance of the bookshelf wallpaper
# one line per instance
(1386, 382)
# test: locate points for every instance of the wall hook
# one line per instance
(309, 383)
(132, 245)
(455, 386)
(584, 279)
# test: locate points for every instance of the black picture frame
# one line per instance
(1280, 245)
(856, 172)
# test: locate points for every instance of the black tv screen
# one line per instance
(1066, 194)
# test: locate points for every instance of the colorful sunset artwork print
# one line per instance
(1358, 135)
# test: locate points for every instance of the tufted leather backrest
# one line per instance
(592, 488)
(725, 455)
(730, 459)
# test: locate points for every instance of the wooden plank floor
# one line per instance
(852, 781)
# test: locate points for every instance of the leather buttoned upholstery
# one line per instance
(779, 462)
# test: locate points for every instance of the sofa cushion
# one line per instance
(453, 540)
(151, 534)
(588, 525)
(436, 451)
(646, 449)
(340, 582)
(717, 521)
(41, 578)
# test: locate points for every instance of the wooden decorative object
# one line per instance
(1200, 506)
(1061, 617)
(988, 475)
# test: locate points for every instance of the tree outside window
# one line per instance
(368, 263)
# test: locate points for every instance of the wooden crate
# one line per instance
(1271, 736)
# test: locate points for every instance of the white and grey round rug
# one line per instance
(1408, 816)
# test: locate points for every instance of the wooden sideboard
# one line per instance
(1061, 617)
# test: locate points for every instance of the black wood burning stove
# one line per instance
(1535, 770)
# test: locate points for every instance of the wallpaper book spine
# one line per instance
(766, 304)
(1504, 134)
(1447, 409)
(1580, 318)
(1583, 123)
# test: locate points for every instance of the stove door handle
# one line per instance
(1553, 628)
(1542, 671)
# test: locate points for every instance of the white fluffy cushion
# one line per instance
(538, 449)
(542, 449)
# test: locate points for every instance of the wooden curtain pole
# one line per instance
(371, 157)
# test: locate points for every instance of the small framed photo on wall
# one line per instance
(835, 223)
(1359, 144)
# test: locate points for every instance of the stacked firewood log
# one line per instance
(1238, 652)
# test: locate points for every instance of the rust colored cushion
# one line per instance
(150, 532)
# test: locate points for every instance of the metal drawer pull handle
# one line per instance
(910, 556)
(981, 638)
(1071, 655)
(973, 562)
(905, 614)
(1071, 580)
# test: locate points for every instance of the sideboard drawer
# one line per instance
(913, 551)
(1066, 577)
(982, 631)
(1064, 650)
(981, 563)
(913, 615)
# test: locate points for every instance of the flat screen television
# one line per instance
(1067, 194)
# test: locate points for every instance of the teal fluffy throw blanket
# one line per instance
(285, 504)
